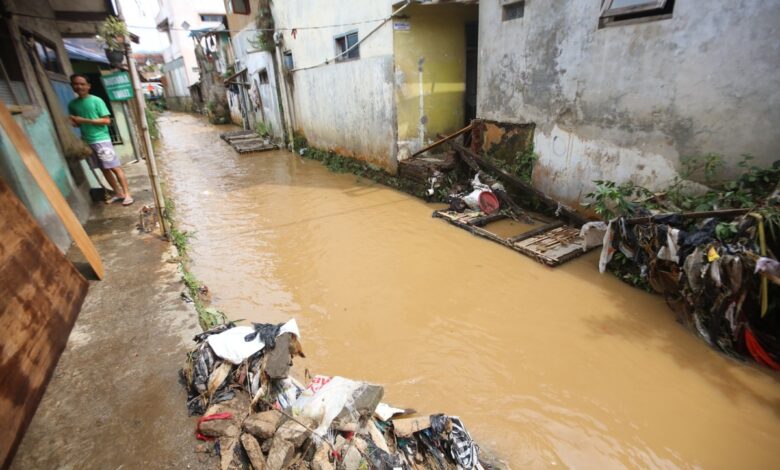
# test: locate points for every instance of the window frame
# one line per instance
(39, 44)
(233, 10)
(649, 5)
(506, 5)
(347, 54)
(220, 17)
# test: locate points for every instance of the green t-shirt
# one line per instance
(91, 107)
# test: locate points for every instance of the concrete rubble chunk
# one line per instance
(294, 432)
(229, 458)
(352, 458)
(321, 460)
(280, 454)
(263, 425)
(364, 402)
(219, 428)
(253, 451)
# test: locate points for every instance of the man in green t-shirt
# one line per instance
(90, 114)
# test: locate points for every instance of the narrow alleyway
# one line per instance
(546, 366)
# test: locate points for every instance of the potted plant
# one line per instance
(112, 35)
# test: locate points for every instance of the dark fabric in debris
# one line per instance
(267, 333)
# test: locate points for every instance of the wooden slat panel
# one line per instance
(49, 189)
(40, 296)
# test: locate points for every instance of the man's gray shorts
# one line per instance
(103, 156)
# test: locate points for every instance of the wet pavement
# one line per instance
(547, 367)
(114, 400)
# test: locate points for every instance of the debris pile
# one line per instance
(715, 270)
(256, 415)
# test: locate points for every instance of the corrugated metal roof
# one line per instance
(79, 53)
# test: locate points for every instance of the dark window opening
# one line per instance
(288, 61)
(615, 12)
(239, 7)
(12, 87)
(512, 11)
(347, 47)
(47, 54)
(263, 77)
(212, 18)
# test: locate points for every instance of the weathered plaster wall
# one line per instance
(343, 106)
(430, 71)
(626, 102)
(263, 96)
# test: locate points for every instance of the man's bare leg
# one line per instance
(109, 175)
(120, 175)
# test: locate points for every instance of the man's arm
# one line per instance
(102, 121)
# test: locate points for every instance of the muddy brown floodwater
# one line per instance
(548, 367)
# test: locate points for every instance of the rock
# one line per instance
(265, 446)
(280, 454)
(278, 360)
(229, 458)
(202, 449)
(321, 460)
(263, 425)
(364, 402)
(219, 428)
(253, 451)
(294, 432)
(352, 458)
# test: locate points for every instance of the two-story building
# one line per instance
(175, 21)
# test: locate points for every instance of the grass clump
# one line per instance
(208, 317)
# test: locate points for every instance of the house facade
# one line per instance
(36, 89)
(617, 92)
(253, 88)
(175, 20)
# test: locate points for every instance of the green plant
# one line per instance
(264, 21)
(112, 33)
(263, 129)
(610, 199)
(151, 121)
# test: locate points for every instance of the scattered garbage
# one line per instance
(256, 415)
(147, 219)
(714, 272)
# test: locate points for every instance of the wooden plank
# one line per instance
(690, 215)
(486, 219)
(49, 188)
(536, 231)
(40, 296)
(442, 140)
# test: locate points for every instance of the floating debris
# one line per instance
(247, 141)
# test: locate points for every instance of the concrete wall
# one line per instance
(181, 45)
(346, 106)
(627, 101)
(430, 71)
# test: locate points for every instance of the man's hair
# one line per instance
(76, 75)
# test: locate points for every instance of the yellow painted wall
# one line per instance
(436, 43)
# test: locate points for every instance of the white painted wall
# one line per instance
(626, 102)
(181, 45)
(347, 106)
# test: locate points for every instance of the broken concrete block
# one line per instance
(352, 458)
(219, 428)
(263, 425)
(321, 460)
(294, 432)
(278, 360)
(229, 458)
(407, 426)
(253, 451)
(364, 401)
(280, 454)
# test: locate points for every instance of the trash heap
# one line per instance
(715, 269)
(256, 415)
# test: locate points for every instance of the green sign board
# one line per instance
(118, 86)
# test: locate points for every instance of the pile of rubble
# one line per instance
(256, 415)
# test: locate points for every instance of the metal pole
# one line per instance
(151, 163)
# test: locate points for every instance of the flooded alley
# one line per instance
(548, 367)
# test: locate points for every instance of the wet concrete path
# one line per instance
(548, 367)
